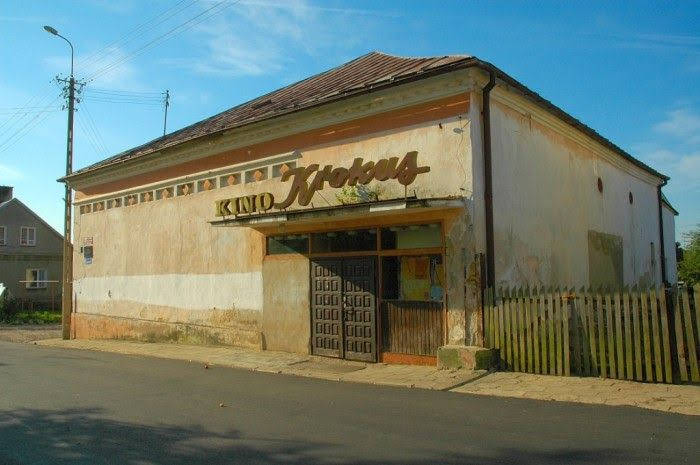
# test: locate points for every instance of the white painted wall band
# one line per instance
(187, 291)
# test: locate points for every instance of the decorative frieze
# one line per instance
(196, 184)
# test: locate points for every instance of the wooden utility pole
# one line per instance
(67, 278)
(166, 102)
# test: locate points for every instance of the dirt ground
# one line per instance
(29, 333)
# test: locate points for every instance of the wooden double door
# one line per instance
(344, 308)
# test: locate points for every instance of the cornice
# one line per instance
(393, 98)
(239, 168)
(528, 109)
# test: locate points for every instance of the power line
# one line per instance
(90, 138)
(19, 115)
(208, 13)
(93, 90)
(110, 48)
(95, 130)
(28, 126)
(128, 102)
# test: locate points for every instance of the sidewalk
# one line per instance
(423, 377)
(683, 399)
(28, 333)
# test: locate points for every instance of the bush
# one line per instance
(36, 317)
(689, 268)
(8, 308)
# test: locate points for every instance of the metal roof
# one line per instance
(363, 74)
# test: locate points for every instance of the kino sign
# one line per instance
(304, 187)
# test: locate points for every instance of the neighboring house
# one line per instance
(359, 213)
(31, 253)
(669, 215)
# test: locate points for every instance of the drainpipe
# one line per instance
(488, 182)
(661, 235)
(668, 293)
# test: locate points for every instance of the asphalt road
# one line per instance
(61, 406)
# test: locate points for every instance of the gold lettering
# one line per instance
(264, 201)
(222, 208)
(338, 177)
(358, 171)
(385, 169)
(302, 191)
(408, 169)
(247, 204)
(300, 186)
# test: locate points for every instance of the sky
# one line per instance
(630, 70)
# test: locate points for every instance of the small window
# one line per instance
(3, 235)
(36, 279)
(344, 241)
(417, 236)
(289, 243)
(413, 279)
(88, 254)
(27, 236)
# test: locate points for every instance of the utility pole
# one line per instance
(67, 279)
(167, 104)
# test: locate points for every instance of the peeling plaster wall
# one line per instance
(161, 266)
(464, 322)
(546, 200)
(286, 319)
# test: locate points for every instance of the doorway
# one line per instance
(344, 308)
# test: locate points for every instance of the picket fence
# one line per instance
(636, 334)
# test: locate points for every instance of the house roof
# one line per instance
(666, 202)
(19, 203)
(364, 74)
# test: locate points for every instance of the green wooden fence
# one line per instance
(624, 334)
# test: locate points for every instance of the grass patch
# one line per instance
(36, 317)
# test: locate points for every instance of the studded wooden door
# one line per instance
(359, 309)
(326, 308)
(343, 308)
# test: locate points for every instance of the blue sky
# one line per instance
(630, 70)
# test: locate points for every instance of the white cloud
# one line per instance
(257, 37)
(681, 123)
(8, 173)
(689, 166)
(122, 77)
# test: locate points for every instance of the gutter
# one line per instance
(488, 181)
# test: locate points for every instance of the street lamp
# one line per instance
(53, 31)
(67, 287)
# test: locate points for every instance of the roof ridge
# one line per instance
(421, 57)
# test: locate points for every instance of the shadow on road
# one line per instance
(82, 436)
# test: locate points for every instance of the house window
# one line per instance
(27, 236)
(36, 279)
(3, 235)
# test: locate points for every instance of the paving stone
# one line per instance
(683, 399)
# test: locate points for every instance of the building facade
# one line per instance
(358, 214)
(31, 254)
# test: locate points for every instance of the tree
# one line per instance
(689, 268)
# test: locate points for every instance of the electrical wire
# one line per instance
(128, 102)
(90, 137)
(134, 33)
(95, 130)
(210, 12)
(37, 100)
(24, 130)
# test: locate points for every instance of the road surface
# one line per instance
(60, 406)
